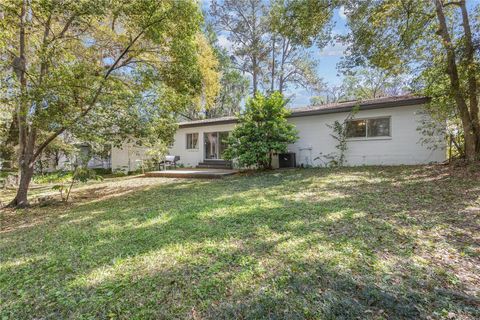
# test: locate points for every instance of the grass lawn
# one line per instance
(366, 243)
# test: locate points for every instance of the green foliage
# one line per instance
(263, 130)
(370, 83)
(406, 37)
(305, 22)
(270, 39)
(233, 85)
(101, 71)
(339, 133)
(61, 176)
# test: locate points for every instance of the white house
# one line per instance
(384, 131)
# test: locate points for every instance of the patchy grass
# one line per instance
(376, 243)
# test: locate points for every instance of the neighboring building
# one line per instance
(127, 158)
(60, 161)
(383, 132)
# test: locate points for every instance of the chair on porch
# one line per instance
(169, 161)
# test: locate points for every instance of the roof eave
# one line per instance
(313, 112)
(203, 124)
(368, 106)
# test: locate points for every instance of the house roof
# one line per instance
(344, 106)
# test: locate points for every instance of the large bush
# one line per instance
(262, 131)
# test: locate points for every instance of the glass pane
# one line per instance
(222, 143)
(379, 127)
(356, 129)
(192, 140)
(211, 145)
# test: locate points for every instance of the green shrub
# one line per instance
(263, 130)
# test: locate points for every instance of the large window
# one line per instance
(368, 128)
(192, 140)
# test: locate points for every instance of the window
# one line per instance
(192, 140)
(379, 127)
(356, 128)
(368, 128)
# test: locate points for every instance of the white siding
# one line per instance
(189, 157)
(403, 147)
(128, 157)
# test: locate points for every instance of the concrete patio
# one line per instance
(192, 173)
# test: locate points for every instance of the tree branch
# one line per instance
(97, 93)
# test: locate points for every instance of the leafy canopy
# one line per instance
(436, 42)
(103, 69)
(263, 130)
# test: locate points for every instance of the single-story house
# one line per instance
(383, 131)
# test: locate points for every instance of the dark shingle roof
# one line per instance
(345, 106)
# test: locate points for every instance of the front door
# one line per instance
(215, 144)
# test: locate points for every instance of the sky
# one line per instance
(327, 58)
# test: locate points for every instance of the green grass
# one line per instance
(358, 243)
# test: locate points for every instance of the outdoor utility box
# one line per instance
(287, 160)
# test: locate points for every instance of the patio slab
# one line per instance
(192, 173)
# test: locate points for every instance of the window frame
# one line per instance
(366, 137)
(186, 140)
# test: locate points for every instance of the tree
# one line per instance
(233, 86)
(90, 68)
(267, 46)
(7, 137)
(263, 130)
(290, 62)
(210, 72)
(425, 38)
(329, 94)
(370, 83)
(361, 84)
(245, 23)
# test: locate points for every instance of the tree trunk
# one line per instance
(452, 71)
(255, 75)
(272, 87)
(26, 139)
(471, 73)
(21, 199)
(281, 80)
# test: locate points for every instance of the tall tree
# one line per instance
(245, 23)
(268, 43)
(95, 67)
(424, 37)
(290, 63)
(233, 85)
(210, 72)
(370, 83)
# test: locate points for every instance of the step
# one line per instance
(221, 164)
(214, 166)
(216, 161)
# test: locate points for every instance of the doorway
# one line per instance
(215, 144)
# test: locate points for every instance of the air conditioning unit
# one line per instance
(287, 160)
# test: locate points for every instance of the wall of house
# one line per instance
(315, 141)
(403, 147)
(191, 157)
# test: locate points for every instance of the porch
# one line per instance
(202, 173)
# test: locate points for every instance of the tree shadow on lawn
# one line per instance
(254, 247)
